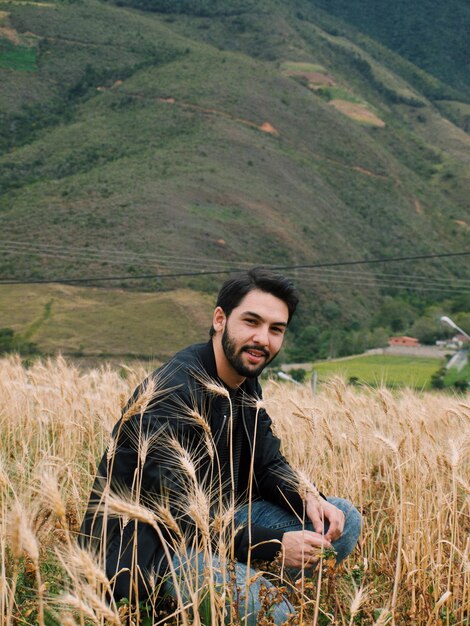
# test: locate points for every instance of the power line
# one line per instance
(182, 262)
(229, 270)
(334, 275)
(381, 276)
(105, 254)
(122, 257)
(371, 283)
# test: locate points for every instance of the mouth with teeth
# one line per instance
(256, 355)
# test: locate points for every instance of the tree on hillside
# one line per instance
(12, 342)
(6, 340)
(462, 319)
(203, 8)
(306, 346)
(395, 314)
(428, 330)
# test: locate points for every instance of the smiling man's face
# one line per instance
(250, 337)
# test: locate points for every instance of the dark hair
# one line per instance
(237, 287)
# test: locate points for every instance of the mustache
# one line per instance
(257, 348)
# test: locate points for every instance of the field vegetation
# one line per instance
(381, 370)
(91, 323)
(402, 459)
(17, 57)
(95, 322)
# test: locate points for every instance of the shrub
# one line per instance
(298, 374)
(12, 342)
(437, 379)
(462, 385)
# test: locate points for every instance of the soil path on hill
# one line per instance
(266, 127)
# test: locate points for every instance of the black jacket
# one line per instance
(180, 388)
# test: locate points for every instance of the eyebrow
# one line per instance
(258, 317)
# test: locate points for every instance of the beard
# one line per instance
(234, 357)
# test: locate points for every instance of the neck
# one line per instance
(225, 371)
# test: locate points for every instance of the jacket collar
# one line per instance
(207, 357)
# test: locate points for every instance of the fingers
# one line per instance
(316, 517)
(315, 540)
(312, 549)
(310, 558)
(319, 512)
(302, 547)
(336, 527)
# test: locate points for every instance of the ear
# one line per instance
(218, 319)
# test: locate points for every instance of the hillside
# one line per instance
(87, 322)
(141, 142)
(433, 35)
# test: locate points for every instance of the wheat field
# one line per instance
(402, 459)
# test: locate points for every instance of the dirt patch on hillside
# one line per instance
(314, 78)
(115, 85)
(363, 170)
(12, 35)
(357, 112)
(268, 128)
(6, 32)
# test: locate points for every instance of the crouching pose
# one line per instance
(193, 488)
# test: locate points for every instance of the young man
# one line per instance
(208, 418)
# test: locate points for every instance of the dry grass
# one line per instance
(402, 459)
(358, 112)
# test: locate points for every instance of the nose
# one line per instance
(261, 336)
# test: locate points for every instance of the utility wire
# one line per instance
(145, 258)
(388, 277)
(87, 253)
(370, 283)
(181, 262)
(356, 275)
(190, 274)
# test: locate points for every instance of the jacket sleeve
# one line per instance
(159, 477)
(140, 464)
(264, 545)
(276, 480)
(160, 442)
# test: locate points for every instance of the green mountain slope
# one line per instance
(238, 133)
(433, 35)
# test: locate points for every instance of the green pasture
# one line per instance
(337, 93)
(109, 323)
(453, 375)
(17, 57)
(375, 370)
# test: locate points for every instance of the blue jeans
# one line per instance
(271, 516)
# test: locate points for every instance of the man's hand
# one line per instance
(301, 548)
(319, 511)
